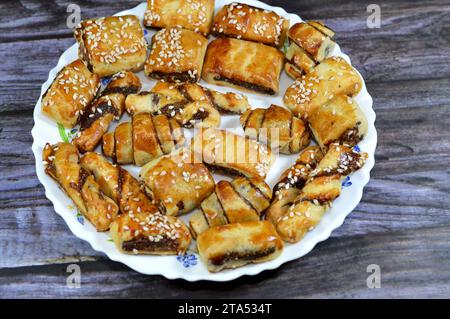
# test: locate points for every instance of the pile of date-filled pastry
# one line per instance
(235, 221)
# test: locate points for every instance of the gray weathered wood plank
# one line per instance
(405, 258)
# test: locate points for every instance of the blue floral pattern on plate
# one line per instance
(80, 218)
(106, 80)
(356, 148)
(347, 182)
(187, 260)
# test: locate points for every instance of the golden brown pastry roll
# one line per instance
(334, 76)
(72, 90)
(243, 65)
(309, 43)
(339, 159)
(185, 112)
(277, 127)
(309, 207)
(151, 234)
(61, 163)
(240, 200)
(317, 44)
(242, 21)
(188, 103)
(110, 105)
(305, 163)
(292, 70)
(123, 140)
(298, 62)
(228, 153)
(304, 216)
(228, 103)
(238, 244)
(143, 139)
(143, 102)
(323, 186)
(118, 184)
(112, 44)
(291, 182)
(195, 114)
(339, 120)
(319, 25)
(194, 15)
(176, 55)
(225, 103)
(178, 182)
(178, 95)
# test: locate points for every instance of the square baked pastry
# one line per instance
(244, 65)
(112, 44)
(176, 56)
(72, 90)
(241, 21)
(194, 15)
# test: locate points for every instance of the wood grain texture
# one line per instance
(401, 224)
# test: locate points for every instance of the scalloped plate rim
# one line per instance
(249, 270)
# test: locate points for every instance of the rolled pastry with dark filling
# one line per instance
(242, 199)
(118, 184)
(242, 21)
(277, 127)
(143, 139)
(239, 244)
(110, 105)
(322, 188)
(225, 103)
(291, 182)
(298, 61)
(313, 37)
(176, 56)
(61, 163)
(243, 65)
(178, 182)
(72, 90)
(231, 154)
(188, 103)
(309, 43)
(339, 120)
(141, 228)
(150, 234)
(334, 76)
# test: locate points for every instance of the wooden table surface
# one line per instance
(402, 223)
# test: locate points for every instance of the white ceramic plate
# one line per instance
(189, 267)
